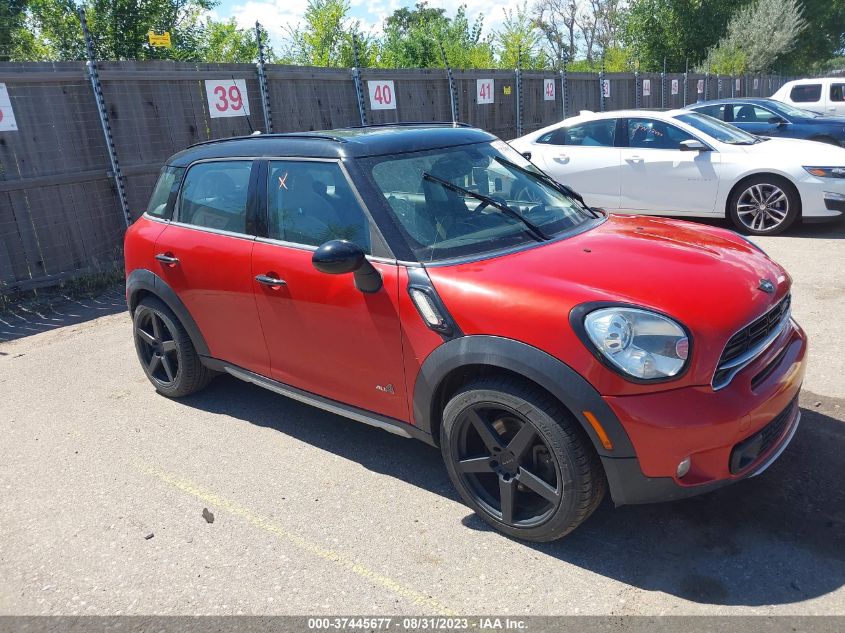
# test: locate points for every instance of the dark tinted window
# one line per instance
(310, 202)
(747, 113)
(214, 195)
(717, 111)
(590, 134)
(161, 202)
(837, 92)
(653, 134)
(806, 93)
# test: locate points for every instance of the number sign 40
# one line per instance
(382, 95)
(226, 97)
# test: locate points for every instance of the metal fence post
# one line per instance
(686, 74)
(707, 85)
(663, 85)
(564, 90)
(359, 90)
(102, 111)
(262, 82)
(601, 86)
(518, 74)
(453, 93)
(637, 100)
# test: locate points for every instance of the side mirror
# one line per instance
(526, 155)
(337, 257)
(776, 120)
(691, 145)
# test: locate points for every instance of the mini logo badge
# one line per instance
(385, 388)
(766, 286)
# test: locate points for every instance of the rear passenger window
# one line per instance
(806, 93)
(214, 195)
(716, 111)
(311, 202)
(161, 202)
(591, 134)
(837, 92)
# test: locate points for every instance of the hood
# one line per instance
(705, 277)
(800, 150)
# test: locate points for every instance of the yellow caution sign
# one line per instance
(160, 41)
(506, 90)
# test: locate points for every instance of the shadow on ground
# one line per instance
(775, 539)
(28, 318)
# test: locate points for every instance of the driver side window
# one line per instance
(654, 134)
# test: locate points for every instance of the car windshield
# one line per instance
(791, 111)
(472, 199)
(717, 129)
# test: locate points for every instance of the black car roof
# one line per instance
(752, 100)
(376, 140)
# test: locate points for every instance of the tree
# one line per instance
(675, 30)
(12, 19)
(557, 21)
(599, 24)
(224, 42)
(412, 39)
(517, 38)
(326, 38)
(757, 36)
(826, 22)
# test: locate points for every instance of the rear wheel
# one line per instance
(520, 460)
(764, 205)
(166, 352)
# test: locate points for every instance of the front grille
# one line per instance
(746, 452)
(744, 346)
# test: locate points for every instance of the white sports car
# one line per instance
(683, 163)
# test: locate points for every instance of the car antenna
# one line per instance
(248, 122)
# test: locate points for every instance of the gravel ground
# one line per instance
(103, 485)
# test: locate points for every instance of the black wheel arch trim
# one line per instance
(145, 280)
(563, 382)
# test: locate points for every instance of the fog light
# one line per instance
(683, 467)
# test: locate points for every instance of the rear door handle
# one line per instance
(166, 258)
(267, 280)
(562, 158)
(634, 159)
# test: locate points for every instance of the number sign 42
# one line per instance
(382, 95)
(227, 97)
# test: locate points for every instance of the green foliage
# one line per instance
(519, 41)
(412, 39)
(758, 35)
(822, 41)
(224, 42)
(326, 37)
(677, 30)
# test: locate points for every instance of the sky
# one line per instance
(276, 15)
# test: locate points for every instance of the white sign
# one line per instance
(226, 97)
(674, 86)
(605, 88)
(484, 91)
(7, 115)
(756, 83)
(382, 95)
(738, 84)
(548, 90)
(701, 86)
(646, 87)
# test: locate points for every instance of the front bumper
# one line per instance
(710, 427)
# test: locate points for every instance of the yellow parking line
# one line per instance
(235, 509)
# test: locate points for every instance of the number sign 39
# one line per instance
(382, 95)
(227, 97)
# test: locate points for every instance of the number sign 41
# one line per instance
(382, 95)
(226, 97)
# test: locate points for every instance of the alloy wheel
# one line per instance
(157, 347)
(762, 207)
(506, 466)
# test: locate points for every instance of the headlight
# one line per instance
(639, 343)
(826, 172)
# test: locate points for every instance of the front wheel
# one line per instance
(520, 460)
(764, 205)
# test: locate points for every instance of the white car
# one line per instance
(825, 95)
(683, 163)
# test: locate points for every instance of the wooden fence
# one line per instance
(60, 213)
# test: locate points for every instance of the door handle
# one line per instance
(268, 280)
(634, 159)
(167, 258)
(561, 158)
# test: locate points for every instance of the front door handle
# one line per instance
(167, 258)
(270, 280)
(561, 158)
(634, 159)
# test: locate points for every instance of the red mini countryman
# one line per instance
(430, 281)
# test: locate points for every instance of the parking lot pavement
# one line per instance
(317, 514)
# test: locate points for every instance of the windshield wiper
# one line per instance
(532, 228)
(554, 184)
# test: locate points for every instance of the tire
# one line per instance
(764, 205)
(503, 436)
(166, 352)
